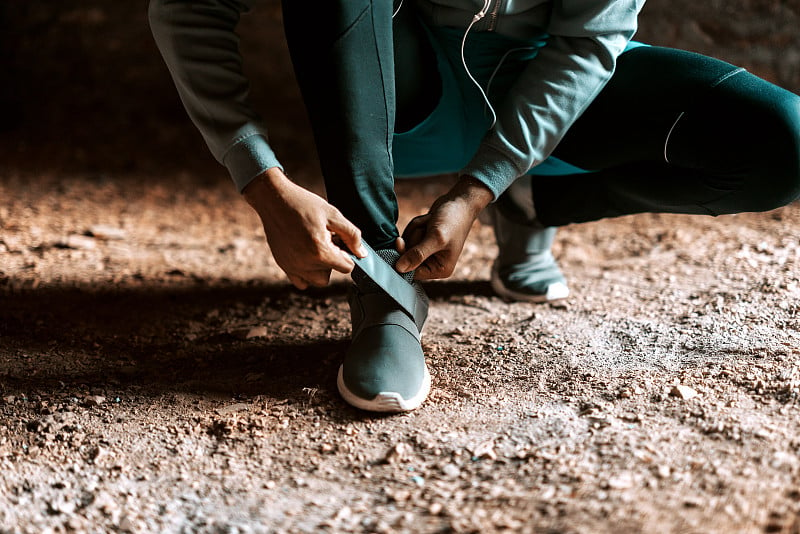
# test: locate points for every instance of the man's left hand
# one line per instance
(432, 243)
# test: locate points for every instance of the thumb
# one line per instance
(348, 233)
(415, 256)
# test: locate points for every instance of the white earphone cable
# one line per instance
(502, 60)
(478, 16)
(396, 11)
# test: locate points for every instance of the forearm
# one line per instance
(550, 94)
(555, 88)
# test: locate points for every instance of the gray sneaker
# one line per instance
(384, 369)
(525, 268)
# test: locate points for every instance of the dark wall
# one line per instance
(83, 86)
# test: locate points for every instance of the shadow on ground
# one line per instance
(186, 338)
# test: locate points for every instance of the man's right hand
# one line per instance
(301, 227)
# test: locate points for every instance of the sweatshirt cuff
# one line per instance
(248, 158)
(494, 169)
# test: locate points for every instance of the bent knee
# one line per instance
(775, 133)
(786, 168)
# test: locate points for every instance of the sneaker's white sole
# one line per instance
(387, 401)
(555, 292)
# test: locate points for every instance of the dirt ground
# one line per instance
(158, 374)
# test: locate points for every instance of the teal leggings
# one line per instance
(734, 139)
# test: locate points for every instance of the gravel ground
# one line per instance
(157, 373)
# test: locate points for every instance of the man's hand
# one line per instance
(301, 228)
(432, 243)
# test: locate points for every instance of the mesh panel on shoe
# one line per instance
(391, 256)
(370, 276)
(365, 283)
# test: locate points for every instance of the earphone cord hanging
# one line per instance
(478, 16)
(502, 60)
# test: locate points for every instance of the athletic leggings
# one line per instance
(672, 131)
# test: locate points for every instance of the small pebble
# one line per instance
(399, 453)
(683, 392)
(94, 400)
(451, 471)
(256, 331)
(103, 231)
(237, 407)
(621, 481)
(81, 242)
(663, 471)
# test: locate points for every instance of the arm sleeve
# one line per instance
(555, 88)
(201, 49)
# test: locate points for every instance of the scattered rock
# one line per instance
(683, 392)
(231, 408)
(399, 496)
(129, 526)
(663, 471)
(621, 481)
(257, 331)
(399, 453)
(103, 231)
(60, 505)
(457, 331)
(484, 450)
(451, 471)
(98, 454)
(79, 242)
(105, 503)
(94, 400)
(249, 333)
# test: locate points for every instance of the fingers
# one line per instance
(434, 267)
(415, 256)
(318, 278)
(337, 259)
(422, 246)
(415, 230)
(348, 233)
(424, 272)
(297, 282)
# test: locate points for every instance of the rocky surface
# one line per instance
(157, 374)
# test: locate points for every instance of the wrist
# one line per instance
(264, 186)
(473, 191)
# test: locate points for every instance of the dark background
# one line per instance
(84, 89)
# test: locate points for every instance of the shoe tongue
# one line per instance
(390, 256)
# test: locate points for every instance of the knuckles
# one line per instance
(437, 236)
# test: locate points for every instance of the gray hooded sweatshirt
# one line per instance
(200, 47)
